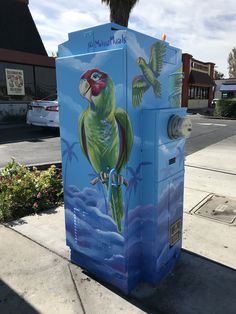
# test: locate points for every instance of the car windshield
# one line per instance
(50, 97)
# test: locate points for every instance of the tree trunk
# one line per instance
(119, 15)
(120, 10)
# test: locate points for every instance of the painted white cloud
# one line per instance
(206, 29)
(136, 49)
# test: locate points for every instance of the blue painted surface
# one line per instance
(153, 200)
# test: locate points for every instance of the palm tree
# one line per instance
(70, 154)
(135, 179)
(120, 10)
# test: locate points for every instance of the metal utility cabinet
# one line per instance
(123, 137)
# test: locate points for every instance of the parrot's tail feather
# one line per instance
(157, 88)
(116, 204)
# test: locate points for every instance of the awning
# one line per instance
(200, 78)
(228, 88)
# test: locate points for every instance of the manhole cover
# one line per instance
(219, 208)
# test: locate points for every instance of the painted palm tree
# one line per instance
(176, 79)
(69, 153)
(135, 178)
(180, 155)
(120, 10)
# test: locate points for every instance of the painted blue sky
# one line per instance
(204, 29)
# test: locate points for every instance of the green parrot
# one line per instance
(151, 71)
(106, 135)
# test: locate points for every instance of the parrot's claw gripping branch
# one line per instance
(103, 177)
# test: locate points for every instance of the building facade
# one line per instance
(26, 71)
(225, 88)
(198, 83)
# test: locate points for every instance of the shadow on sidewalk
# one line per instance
(196, 286)
(22, 221)
(11, 302)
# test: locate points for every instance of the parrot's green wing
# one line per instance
(158, 51)
(82, 136)
(126, 137)
(139, 87)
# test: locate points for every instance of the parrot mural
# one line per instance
(106, 135)
(150, 71)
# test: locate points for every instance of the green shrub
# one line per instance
(23, 191)
(226, 108)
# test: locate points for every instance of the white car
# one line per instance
(44, 112)
(213, 103)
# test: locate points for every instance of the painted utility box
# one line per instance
(122, 137)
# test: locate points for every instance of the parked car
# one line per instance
(44, 112)
(213, 103)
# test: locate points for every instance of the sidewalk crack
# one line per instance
(77, 292)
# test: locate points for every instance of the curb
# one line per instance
(217, 117)
(43, 166)
(198, 114)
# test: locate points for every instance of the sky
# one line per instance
(206, 30)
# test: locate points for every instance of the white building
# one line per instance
(225, 89)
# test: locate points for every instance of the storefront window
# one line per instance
(191, 92)
(198, 92)
(228, 95)
(45, 79)
(28, 82)
(38, 82)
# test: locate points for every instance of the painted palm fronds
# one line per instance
(176, 88)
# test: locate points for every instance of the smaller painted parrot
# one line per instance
(151, 71)
(106, 136)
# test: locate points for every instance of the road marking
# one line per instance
(217, 124)
(214, 124)
(204, 123)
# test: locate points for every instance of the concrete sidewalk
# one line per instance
(211, 171)
(37, 267)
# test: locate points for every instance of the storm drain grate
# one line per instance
(218, 207)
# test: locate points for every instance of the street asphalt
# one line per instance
(35, 145)
(207, 131)
(29, 145)
(37, 276)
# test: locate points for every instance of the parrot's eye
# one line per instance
(96, 76)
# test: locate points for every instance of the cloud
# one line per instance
(221, 23)
(135, 47)
(82, 65)
(207, 30)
